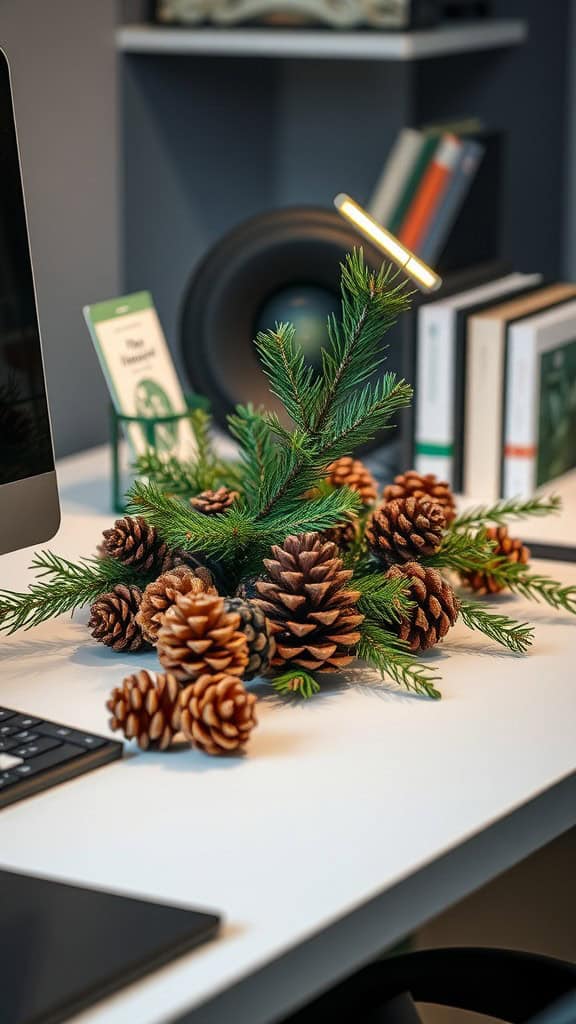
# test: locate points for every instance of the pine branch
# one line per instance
(291, 378)
(171, 474)
(516, 636)
(296, 681)
(513, 508)
(249, 427)
(62, 586)
(188, 477)
(382, 599)
(464, 552)
(535, 587)
(392, 658)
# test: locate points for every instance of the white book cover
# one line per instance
(540, 418)
(435, 374)
(394, 174)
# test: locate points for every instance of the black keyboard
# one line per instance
(36, 754)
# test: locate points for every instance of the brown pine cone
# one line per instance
(134, 542)
(158, 596)
(405, 529)
(146, 709)
(417, 485)
(313, 617)
(113, 619)
(352, 473)
(211, 503)
(506, 546)
(198, 636)
(436, 606)
(343, 535)
(217, 713)
(256, 629)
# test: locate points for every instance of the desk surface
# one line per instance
(353, 818)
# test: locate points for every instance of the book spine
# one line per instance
(484, 397)
(520, 432)
(428, 146)
(434, 413)
(394, 174)
(430, 192)
(452, 201)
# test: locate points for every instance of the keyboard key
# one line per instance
(23, 722)
(8, 779)
(26, 736)
(84, 739)
(7, 730)
(33, 749)
(8, 761)
(61, 732)
(8, 743)
(51, 759)
(5, 714)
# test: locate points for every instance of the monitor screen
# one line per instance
(25, 441)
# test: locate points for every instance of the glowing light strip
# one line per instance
(422, 275)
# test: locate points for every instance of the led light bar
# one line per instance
(425, 278)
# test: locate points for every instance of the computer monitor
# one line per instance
(29, 508)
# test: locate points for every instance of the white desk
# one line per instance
(354, 818)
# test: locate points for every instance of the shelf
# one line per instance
(320, 43)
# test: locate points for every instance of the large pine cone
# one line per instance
(198, 636)
(506, 546)
(134, 542)
(158, 596)
(436, 606)
(352, 473)
(405, 529)
(217, 713)
(146, 709)
(113, 619)
(313, 617)
(211, 503)
(256, 629)
(417, 485)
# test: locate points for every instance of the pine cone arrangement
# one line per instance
(134, 542)
(212, 503)
(113, 619)
(217, 713)
(313, 616)
(352, 473)
(417, 485)
(158, 596)
(198, 636)
(436, 606)
(405, 529)
(343, 535)
(256, 629)
(506, 547)
(146, 709)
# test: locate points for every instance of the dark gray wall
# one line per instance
(64, 77)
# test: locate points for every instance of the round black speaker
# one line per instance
(278, 266)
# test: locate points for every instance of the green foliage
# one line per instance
(469, 551)
(381, 599)
(188, 477)
(62, 586)
(516, 636)
(503, 511)
(393, 659)
(296, 681)
(291, 378)
(535, 587)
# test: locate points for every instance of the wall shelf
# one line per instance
(321, 43)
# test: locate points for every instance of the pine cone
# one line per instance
(198, 636)
(352, 473)
(343, 535)
(146, 709)
(217, 713)
(133, 542)
(407, 528)
(416, 485)
(211, 503)
(436, 607)
(313, 617)
(113, 619)
(506, 546)
(256, 629)
(159, 595)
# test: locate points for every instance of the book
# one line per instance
(450, 204)
(485, 391)
(430, 191)
(441, 374)
(428, 146)
(540, 402)
(400, 162)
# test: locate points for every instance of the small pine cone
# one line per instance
(506, 546)
(436, 606)
(217, 713)
(113, 619)
(198, 636)
(352, 473)
(134, 542)
(343, 535)
(211, 503)
(146, 709)
(256, 629)
(417, 485)
(405, 529)
(159, 595)
(313, 616)
(247, 589)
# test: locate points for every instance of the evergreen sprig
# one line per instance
(534, 587)
(516, 636)
(188, 477)
(296, 681)
(62, 586)
(382, 599)
(393, 659)
(503, 511)
(469, 551)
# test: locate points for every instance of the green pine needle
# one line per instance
(382, 599)
(516, 636)
(535, 587)
(503, 511)
(393, 659)
(297, 682)
(470, 551)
